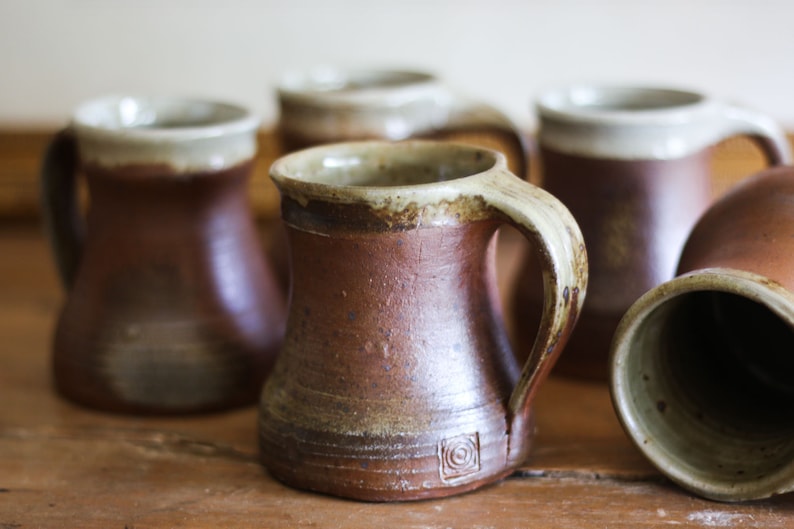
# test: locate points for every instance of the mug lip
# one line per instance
(755, 287)
(234, 119)
(573, 103)
(282, 171)
(326, 86)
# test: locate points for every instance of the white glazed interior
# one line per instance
(722, 437)
(330, 86)
(618, 103)
(184, 134)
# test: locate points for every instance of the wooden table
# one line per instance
(65, 466)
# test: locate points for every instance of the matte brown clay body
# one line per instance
(172, 308)
(751, 228)
(635, 216)
(386, 314)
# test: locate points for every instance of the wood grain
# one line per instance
(65, 466)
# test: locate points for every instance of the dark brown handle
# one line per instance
(760, 128)
(60, 210)
(479, 118)
(774, 152)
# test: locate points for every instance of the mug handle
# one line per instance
(555, 235)
(470, 116)
(763, 130)
(60, 210)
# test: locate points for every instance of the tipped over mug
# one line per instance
(703, 365)
(170, 306)
(396, 380)
(633, 166)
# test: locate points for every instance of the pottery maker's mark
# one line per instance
(459, 456)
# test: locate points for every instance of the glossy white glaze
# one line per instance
(625, 122)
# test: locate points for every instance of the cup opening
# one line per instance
(383, 164)
(605, 99)
(135, 113)
(328, 81)
(711, 378)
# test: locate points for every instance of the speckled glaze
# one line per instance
(170, 305)
(396, 380)
(703, 365)
(633, 166)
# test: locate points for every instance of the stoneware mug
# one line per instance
(703, 365)
(334, 105)
(396, 380)
(633, 166)
(170, 304)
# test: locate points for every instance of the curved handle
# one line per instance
(554, 233)
(770, 137)
(61, 214)
(469, 116)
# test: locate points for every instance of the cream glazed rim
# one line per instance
(641, 122)
(183, 133)
(310, 174)
(338, 87)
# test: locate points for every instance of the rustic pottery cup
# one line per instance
(633, 166)
(170, 304)
(703, 365)
(396, 380)
(335, 105)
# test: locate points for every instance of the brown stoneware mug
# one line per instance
(396, 380)
(335, 105)
(633, 166)
(170, 304)
(703, 365)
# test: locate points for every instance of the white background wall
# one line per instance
(55, 53)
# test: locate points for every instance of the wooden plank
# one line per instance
(62, 465)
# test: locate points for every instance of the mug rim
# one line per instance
(326, 86)
(776, 298)
(283, 172)
(92, 118)
(578, 103)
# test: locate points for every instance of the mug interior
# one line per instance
(356, 80)
(711, 380)
(607, 99)
(384, 164)
(130, 113)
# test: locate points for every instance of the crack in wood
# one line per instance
(589, 476)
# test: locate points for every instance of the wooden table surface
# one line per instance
(65, 466)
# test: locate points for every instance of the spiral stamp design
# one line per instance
(460, 456)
